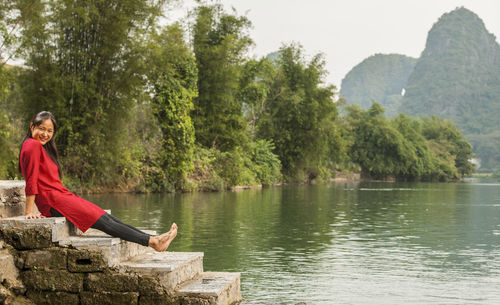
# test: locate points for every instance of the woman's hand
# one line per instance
(33, 216)
(30, 204)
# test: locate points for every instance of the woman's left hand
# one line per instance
(33, 216)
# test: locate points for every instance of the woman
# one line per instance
(38, 161)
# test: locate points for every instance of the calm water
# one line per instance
(366, 243)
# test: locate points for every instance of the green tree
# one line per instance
(378, 148)
(406, 148)
(174, 75)
(256, 80)
(300, 115)
(86, 65)
(449, 144)
(219, 43)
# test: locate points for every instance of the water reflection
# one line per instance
(358, 243)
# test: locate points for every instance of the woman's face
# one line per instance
(43, 132)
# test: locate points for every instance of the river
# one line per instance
(344, 243)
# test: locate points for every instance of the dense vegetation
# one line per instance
(457, 77)
(379, 78)
(406, 148)
(140, 107)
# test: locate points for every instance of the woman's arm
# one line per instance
(30, 164)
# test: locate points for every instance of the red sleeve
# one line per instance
(30, 165)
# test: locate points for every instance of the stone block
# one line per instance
(18, 300)
(9, 275)
(53, 298)
(108, 298)
(158, 299)
(109, 248)
(151, 285)
(53, 280)
(171, 268)
(211, 288)
(85, 261)
(4, 294)
(12, 198)
(58, 226)
(47, 259)
(111, 281)
(36, 237)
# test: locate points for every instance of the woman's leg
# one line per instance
(112, 226)
(116, 228)
(131, 227)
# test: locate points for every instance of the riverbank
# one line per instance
(200, 185)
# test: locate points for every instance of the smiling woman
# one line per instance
(43, 132)
(38, 161)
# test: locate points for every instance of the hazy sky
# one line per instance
(348, 31)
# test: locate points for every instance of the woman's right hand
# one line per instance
(33, 216)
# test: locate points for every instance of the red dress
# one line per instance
(42, 179)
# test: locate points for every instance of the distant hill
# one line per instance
(458, 75)
(379, 78)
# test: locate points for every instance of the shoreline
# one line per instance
(340, 177)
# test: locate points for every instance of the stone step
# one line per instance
(169, 268)
(51, 228)
(108, 248)
(211, 288)
(112, 249)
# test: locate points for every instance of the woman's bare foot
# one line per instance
(161, 242)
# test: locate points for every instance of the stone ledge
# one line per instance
(216, 288)
(58, 226)
(35, 237)
(170, 268)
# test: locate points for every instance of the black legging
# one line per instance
(114, 227)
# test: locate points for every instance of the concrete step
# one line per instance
(112, 249)
(109, 248)
(127, 249)
(211, 288)
(58, 227)
(170, 268)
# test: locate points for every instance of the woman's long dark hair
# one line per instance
(50, 147)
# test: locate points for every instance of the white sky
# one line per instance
(348, 31)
